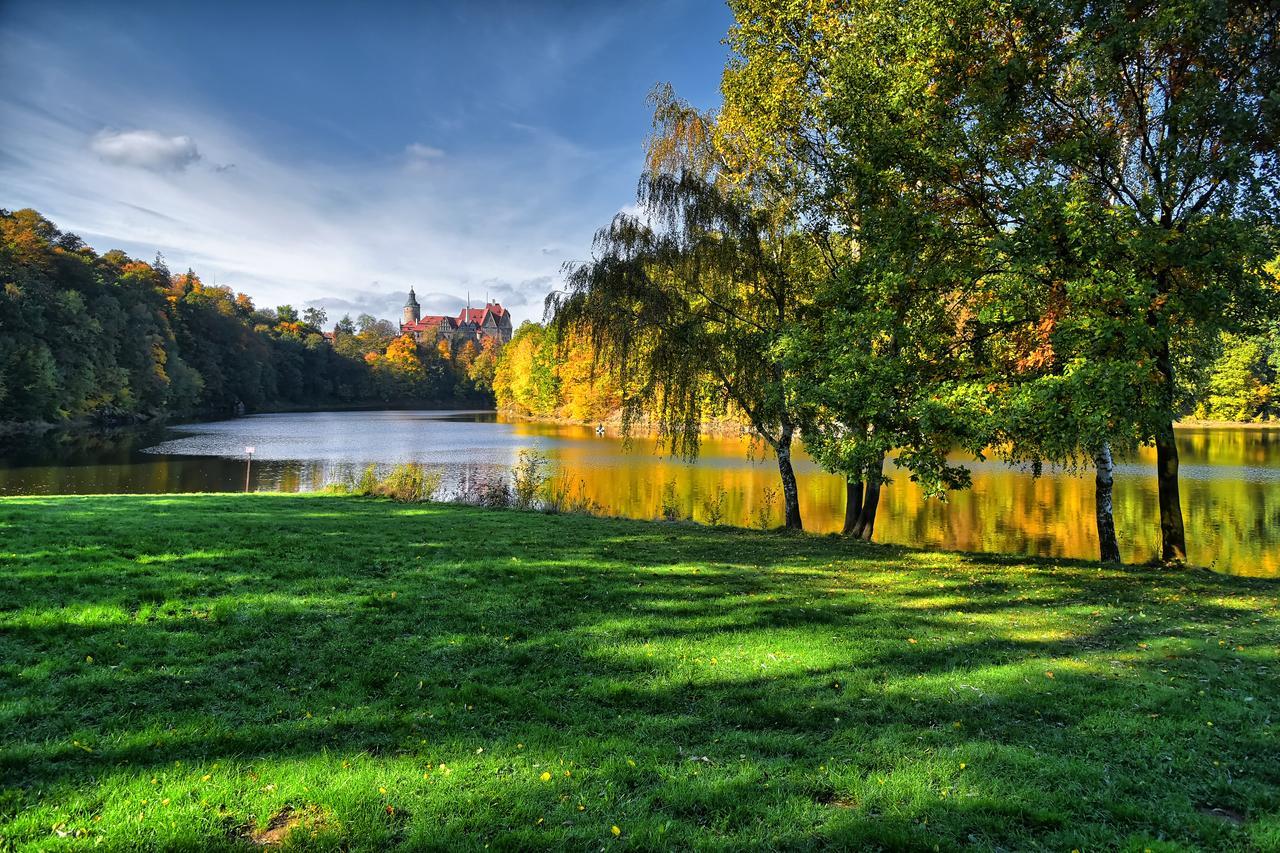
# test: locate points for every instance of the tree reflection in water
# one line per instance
(1231, 479)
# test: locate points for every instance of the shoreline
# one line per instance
(24, 428)
(727, 427)
(1192, 424)
(720, 428)
(687, 524)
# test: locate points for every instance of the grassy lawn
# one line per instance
(327, 672)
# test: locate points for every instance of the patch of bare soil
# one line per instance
(281, 825)
(1228, 815)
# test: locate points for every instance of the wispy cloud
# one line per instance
(420, 157)
(377, 303)
(530, 291)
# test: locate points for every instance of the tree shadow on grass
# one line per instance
(782, 686)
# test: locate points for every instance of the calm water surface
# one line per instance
(1230, 479)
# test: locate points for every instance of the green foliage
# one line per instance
(765, 509)
(1027, 210)
(562, 498)
(406, 483)
(524, 376)
(1240, 384)
(545, 373)
(671, 507)
(315, 317)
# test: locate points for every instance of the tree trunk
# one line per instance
(790, 491)
(870, 501)
(852, 506)
(1173, 537)
(1108, 546)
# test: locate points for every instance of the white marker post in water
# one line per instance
(248, 464)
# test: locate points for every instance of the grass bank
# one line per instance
(210, 672)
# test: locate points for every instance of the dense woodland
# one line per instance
(112, 338)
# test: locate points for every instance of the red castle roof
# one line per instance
(431, 322)
(479, 315)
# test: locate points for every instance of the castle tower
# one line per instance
(412, 310)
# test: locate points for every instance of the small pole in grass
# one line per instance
(248, 464)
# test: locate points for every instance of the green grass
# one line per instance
(194, 671)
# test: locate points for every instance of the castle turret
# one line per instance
(412, 310)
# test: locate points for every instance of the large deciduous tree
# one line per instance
(1157, 120)
(1104, 176)
(1171, 111)
(687, 301)
(818, 101)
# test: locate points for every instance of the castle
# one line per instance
(492, 322)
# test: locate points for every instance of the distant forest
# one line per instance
(112, 338)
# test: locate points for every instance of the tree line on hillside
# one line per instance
(538, 375)
(1016, 227)
(109, 337)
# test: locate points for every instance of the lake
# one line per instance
(1230, 479)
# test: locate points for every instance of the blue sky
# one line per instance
(341, 152)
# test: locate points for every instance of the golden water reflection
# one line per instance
(1230, 479)
(1230, 497)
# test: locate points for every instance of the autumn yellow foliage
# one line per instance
(540, 375)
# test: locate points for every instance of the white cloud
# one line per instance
(145, 149)
(375, 302)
